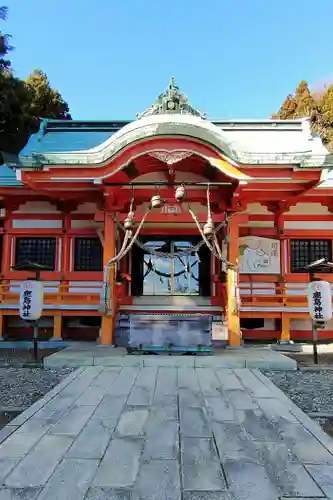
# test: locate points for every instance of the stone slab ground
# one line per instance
(175, 433)
(88, 355)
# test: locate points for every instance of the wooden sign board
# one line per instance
(219, 330)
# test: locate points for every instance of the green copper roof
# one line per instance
(8, 177)
(70, 135)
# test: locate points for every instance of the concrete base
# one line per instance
(303, 348)
(28, 344)
(256, 357)
(286, 347)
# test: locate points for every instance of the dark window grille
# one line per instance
(88, 254)
(37, 251)
(304, 252)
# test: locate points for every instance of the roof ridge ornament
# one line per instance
(172, 101)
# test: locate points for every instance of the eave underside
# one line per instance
(267, 186)
(171, 159)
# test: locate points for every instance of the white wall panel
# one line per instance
(85, 286)
(49, 286)
(37, 224)
(296, 288)
(85, 224)
(37, 207)
(309, 208)
(300, 324)
(314, 225)
(257, 288)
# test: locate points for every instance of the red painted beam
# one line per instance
(161, 218)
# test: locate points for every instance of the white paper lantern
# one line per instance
(31, 300)
(320, 300)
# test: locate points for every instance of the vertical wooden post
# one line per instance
(57, 327)
(6, 250)
(285, 318)
(1, 325)
(232, 283)
(285, 328)
(65, 259)
(109, 249)
(6, 262)
(65, 251)
(7, 243)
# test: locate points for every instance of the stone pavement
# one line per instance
(92, 355)
(165, 433)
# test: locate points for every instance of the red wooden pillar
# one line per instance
(109, 248)
(232, 280)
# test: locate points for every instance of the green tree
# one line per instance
(4, 41)
(288, 108)
(14, 113)
(45, 101)
(318, 108)
(299, 104)
(325, 103)
(22, 104)
(305, 103)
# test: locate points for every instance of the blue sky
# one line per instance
(233, 58)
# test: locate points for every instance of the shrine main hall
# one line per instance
(171, 231)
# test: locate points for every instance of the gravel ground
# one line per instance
(20, 387)
(18, 357)
(325, 359)
(23, 386)
(311, 391)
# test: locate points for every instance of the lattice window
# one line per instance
(304, 252)
(88, 254)
(36, 250)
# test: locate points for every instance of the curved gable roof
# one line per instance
(149, 127)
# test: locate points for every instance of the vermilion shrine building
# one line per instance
(66, 198)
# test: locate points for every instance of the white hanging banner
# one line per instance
(320, 300)
(31, 300)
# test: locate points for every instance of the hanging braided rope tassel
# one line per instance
(166, 255)
(129, 221)
(105, 296)
(125, 248)
(204, 237)
(208, 228)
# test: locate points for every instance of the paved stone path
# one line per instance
(89, 355)
(165, 433)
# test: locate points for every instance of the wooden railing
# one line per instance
(273, 294)
(73, 294)
(67, 293)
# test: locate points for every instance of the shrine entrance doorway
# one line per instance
(167, 267)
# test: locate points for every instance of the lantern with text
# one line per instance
(320, 301)
(31, 300)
